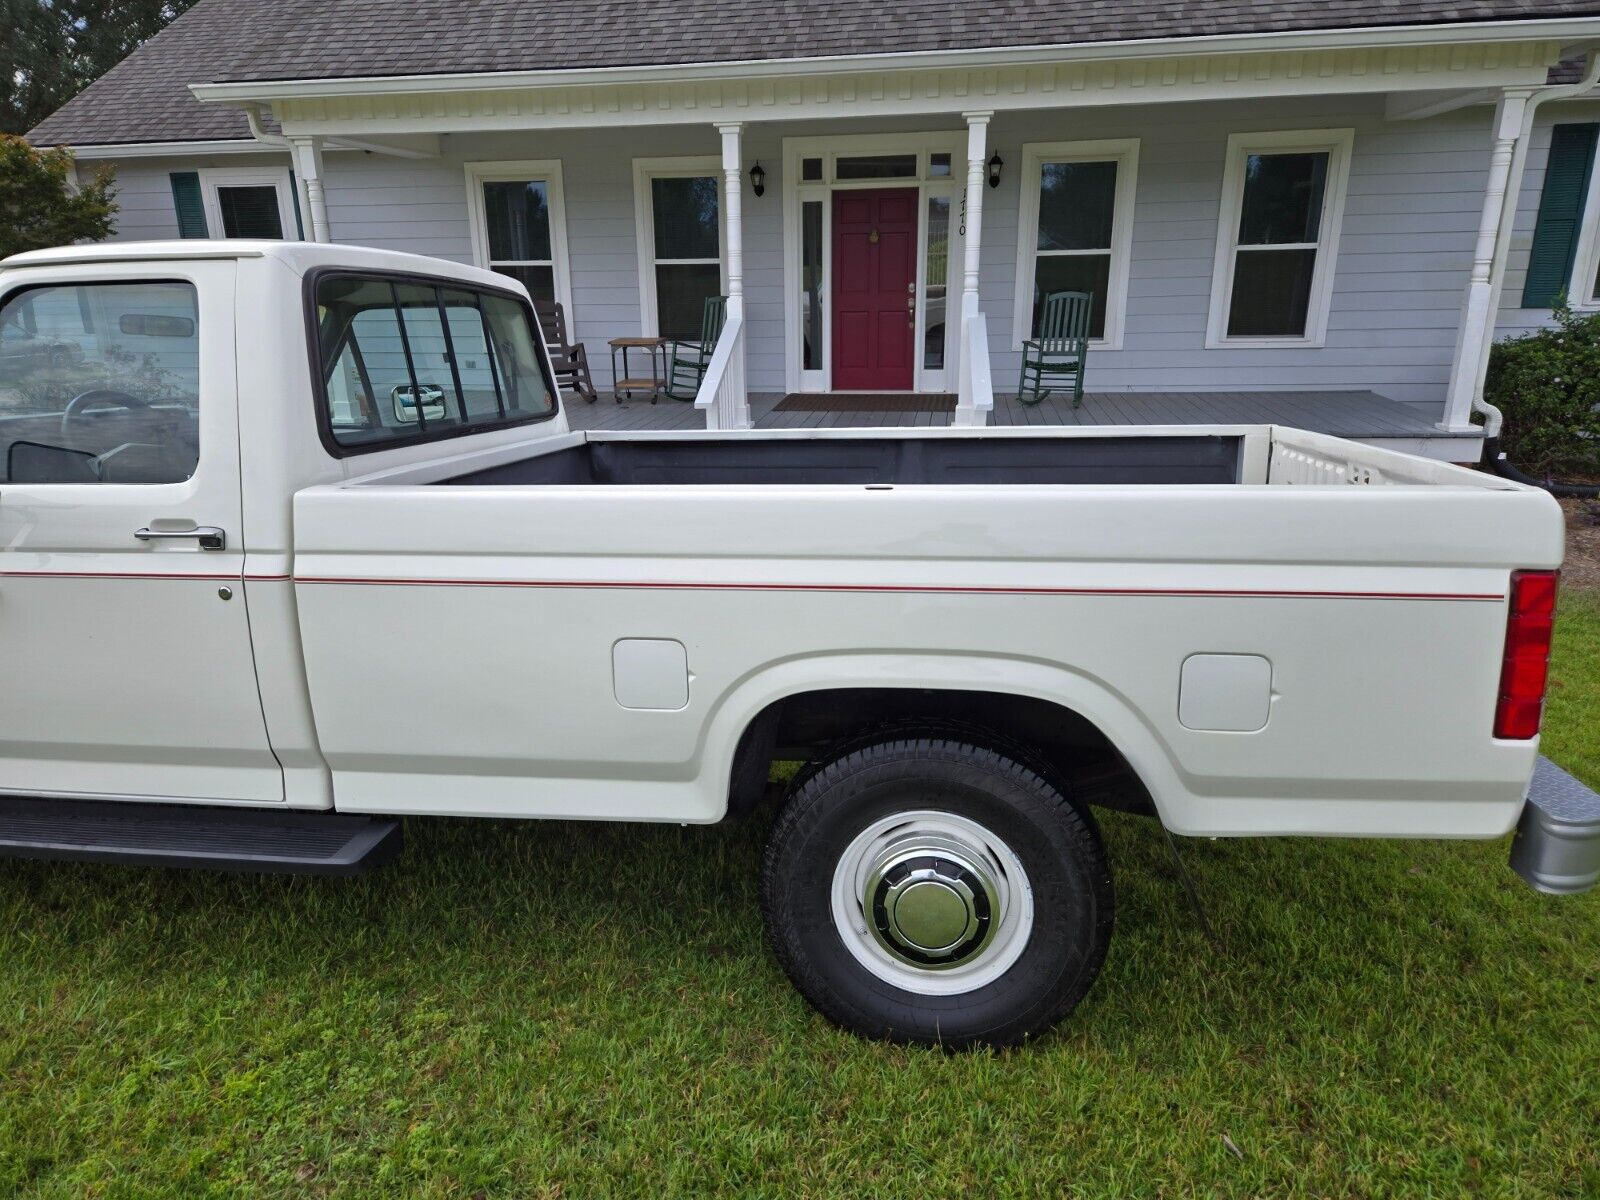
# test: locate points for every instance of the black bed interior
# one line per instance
(944, 460)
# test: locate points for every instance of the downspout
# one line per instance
(252, 114)
(306, 155)
(1493, 419)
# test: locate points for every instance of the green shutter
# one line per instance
(299, 225)
(190, 205)
(1555, 236)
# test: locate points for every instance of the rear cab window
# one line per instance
(402, 360)
(99, 383)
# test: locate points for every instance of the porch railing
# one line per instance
(721, 396)
(974, 388)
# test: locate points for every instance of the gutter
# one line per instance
(1502, 32)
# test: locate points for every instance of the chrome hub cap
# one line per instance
(932, 902)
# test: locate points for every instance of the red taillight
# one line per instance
(1526, 667)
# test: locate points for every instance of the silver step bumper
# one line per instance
(1557, 848)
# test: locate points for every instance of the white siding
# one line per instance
(144, 198)
(1405, 252)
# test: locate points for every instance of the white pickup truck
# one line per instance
(295, 540)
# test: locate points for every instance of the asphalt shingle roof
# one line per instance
(145, 98)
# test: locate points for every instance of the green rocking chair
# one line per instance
(1060, 350)
(687, 361)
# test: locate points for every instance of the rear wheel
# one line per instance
(927, 889)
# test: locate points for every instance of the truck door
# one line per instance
(125, 660)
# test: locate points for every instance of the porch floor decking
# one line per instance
(1352, 414)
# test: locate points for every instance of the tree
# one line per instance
(39, 207)
(50, 50)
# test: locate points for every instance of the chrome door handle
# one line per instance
(210, 537)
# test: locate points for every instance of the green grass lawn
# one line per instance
(572, 1010)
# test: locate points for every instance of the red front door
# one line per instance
(874, 289)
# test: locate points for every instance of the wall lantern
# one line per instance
(758, 180)
(995, 164)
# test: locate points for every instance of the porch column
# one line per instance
(307, 155)
(1477, 308)
(738, 414)
(974, 391)
(977, 169)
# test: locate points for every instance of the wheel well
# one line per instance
(803, 728)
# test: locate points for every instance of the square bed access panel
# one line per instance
(944, 460)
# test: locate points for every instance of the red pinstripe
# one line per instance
(675, 585)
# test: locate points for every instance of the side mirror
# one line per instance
(36, 462)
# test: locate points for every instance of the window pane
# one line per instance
(936, 271)
(811, 168)
(1075, 205)
(518, 216)
(681, 292)
(685, 213)
(369, 393)
(540, 281)
(250, 212)
(1271, 293)
(368, 379)
(1282, 198)
(876, 166)
(1073, 273)
(938, 165)
(811, 284)
(419, 309)
(470, 342)
(516, 357)
(100, 384)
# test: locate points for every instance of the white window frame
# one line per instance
(1125, 153)
(645, 171)
(1586, 257)
(538, 170)
(212, 178)
(1337, 144)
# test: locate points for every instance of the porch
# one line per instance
(1360, 415)
(1318, 242)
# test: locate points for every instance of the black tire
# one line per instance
(1055, 841)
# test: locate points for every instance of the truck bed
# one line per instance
(474, 623)
(878, 460)
(901, 457)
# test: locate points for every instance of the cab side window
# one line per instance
(408, 361)
(99, 383)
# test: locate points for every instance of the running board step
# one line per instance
(183, 835)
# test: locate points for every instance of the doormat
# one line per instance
(867, 402)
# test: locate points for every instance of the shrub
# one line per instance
(1547, 384)
(39, 207)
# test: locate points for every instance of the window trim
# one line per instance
(646, 170)
(1338, 145)
(538, 170)
(212, 178)
(321, 408)
(1586, 257)
(1125, 153)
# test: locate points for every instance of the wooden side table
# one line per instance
(628, 383)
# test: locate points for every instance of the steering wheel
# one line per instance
(78, 407)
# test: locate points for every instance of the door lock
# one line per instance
(209, 536)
